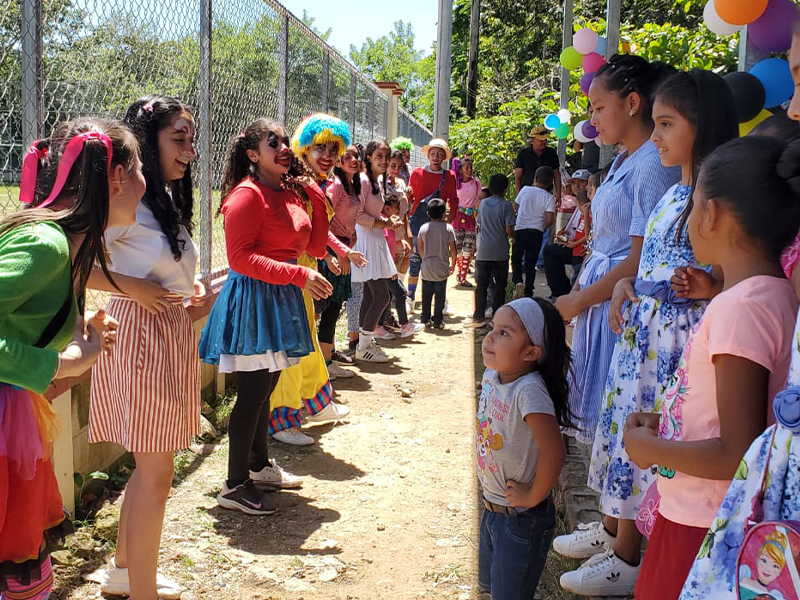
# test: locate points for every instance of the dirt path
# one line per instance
(388, 508)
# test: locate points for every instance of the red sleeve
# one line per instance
(450, 194)
(415, 182)
(244, 213)
(320, 226)
(340, 248)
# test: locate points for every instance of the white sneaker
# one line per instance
(410, 329)
(333, 412)
(587, 540)
(294, 437)
(446, 310)
(609, 576)
(274, 476)
(115, 582)
(381, 333)
(409, 306)
(372, 354)
(337, 372)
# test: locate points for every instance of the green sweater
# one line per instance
(34, 283)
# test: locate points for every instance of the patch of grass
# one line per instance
(184, 560)
(447, 574)
(221, 407)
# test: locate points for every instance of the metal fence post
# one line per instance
(353, 103)
(326, 78)
(371, 116)
(566, 43)
(32, 100)
(612, 35)
(205, 140)
(283, 74)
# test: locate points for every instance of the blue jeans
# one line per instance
(513, 550)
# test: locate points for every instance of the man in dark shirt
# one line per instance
(536, 155)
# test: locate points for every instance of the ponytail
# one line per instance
(554, 368)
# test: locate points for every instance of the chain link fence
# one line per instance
(232, 60)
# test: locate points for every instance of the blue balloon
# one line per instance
(602, 45)
(776, 76)
(552, 121)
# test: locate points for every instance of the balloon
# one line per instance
(578, 133)
(715, 23)
(748, 94)
(776, 76)
(746, 128)
(552, 121)
(740, 12)
(564, 115)
(592, 61)
(602, 46)
(585, 41)
(589, 130)
(562, 131)
(772, 32)
(571, 59)
(586, 82)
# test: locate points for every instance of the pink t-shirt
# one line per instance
(468, 193)
(752, 320)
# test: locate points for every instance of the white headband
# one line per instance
(532, 317)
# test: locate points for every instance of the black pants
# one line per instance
(326, 330)
(527, 245)
(376, 298)
(486, 271)
(247, 430)
(436, 292)
(398, 291)
(556, 259)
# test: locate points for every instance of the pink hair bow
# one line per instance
(30, 166)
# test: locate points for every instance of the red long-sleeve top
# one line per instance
(264, 228)
(425, 182)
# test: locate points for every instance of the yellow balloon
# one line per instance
(746, 128)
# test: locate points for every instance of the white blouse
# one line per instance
(142, 250)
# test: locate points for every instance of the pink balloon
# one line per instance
(592, 61)
(585, 41)
(772, 32)
(586, 81)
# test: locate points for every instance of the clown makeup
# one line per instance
(273, 156)
(176, 147)
(322, 157)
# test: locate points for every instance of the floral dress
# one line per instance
(714, 570)
(645, 359)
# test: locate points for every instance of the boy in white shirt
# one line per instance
(536, 210)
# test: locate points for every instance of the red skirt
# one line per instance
(31, 508)
(668, 559)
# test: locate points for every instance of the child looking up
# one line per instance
(437, 246)
(536, 211)
(734, 362)
(519, 447)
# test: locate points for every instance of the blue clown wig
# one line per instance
(320, 129)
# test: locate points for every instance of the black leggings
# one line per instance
(376, 298)
(326, 330)
(247, 430)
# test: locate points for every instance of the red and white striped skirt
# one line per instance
(146, 394)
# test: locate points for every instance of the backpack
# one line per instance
(769, 558)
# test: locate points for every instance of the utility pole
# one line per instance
(472, 67)
(612, 35)
(441, 110)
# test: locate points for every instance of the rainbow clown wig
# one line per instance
(402, 143)
(320, 129)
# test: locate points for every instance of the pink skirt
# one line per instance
(146, 394)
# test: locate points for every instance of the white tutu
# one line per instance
(372, 244)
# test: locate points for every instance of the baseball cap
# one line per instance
(540, 132)
(581, 174)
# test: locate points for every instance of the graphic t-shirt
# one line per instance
(504, 444)
(752, 320)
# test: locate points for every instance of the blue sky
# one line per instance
(353, 21)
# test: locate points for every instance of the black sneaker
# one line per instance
(391, 324)
(246, 498)
(341, 357)
(439, 326)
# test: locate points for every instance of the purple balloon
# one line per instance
(586, 81)
(772, 31)
(589, 131)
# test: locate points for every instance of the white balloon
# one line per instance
(578, 133)
(564, 115)
(715, 23)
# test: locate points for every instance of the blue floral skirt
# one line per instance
(252, 318)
